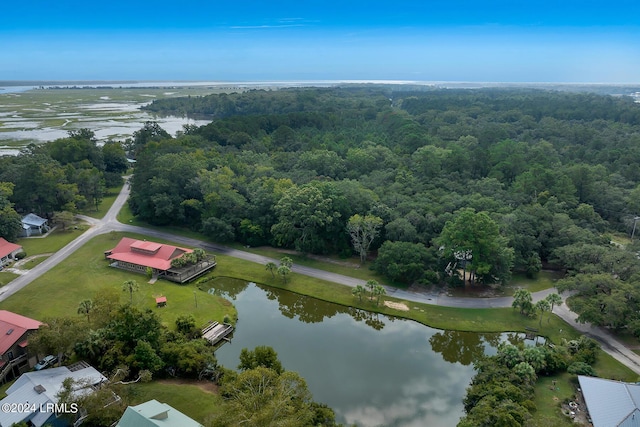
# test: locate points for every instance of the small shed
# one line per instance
(33, 225)
(161, 301)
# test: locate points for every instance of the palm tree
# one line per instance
(359, 291)
(371, 284)
(286, 261)
(379, 290)
(542, 305)
(283, 270)
(271, 266)
(523, 300)
(85, 307)
(130, 286)
(554, 300)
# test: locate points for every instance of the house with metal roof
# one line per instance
(8, 251)
(611, 403)
(34, 393)
(154, 414)
(140, 255)
(14, 340)
(33, 225)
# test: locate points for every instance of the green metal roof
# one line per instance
(154, 413)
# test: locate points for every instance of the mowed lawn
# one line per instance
(80, 276)
(187, 397)
(56, 240)
(110, 196)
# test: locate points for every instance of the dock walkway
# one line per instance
(215, 332)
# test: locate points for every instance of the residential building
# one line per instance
(35, 394)
(14, 340)
(154, 414)
(611, 403)
(8, 251)
(33, 225)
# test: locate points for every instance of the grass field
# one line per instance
(6, 277)
(109, 197)
(56, 240)
(28, 265)
(79, 277)
(543, 280)
(189, 399)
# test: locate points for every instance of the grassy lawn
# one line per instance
(56, 240)
(109, 197)
(126, 217)
(33, 262)
(6, 277)
(189, 399)
(79, 277)
(543, 280)
(549, 397)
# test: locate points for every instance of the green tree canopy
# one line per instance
(477, 236)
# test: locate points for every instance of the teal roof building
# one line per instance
(153, 414)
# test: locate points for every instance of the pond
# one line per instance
(373, 370)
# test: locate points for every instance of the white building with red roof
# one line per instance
(14, 340)
(8, 251)
(139, 255)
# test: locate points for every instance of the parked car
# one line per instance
(47, 362)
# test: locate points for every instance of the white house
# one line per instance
(33, 395)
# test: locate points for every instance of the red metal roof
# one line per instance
(155, 255)
(146, 246)
(161, 299)
(12, 328)
(7, 247)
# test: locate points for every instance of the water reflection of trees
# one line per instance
(304, 308)
(462, 347)
(226, 287)
(312, 310)
(467, 347)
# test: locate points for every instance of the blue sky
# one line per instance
(510, 41)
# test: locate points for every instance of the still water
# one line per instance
(373, 370)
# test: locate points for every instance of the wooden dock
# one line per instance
(215, 332)
(530, 333)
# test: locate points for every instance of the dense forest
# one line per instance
(538, 171)
(432, 187)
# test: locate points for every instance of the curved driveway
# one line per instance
(110, 223)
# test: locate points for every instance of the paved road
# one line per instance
(110, 223)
